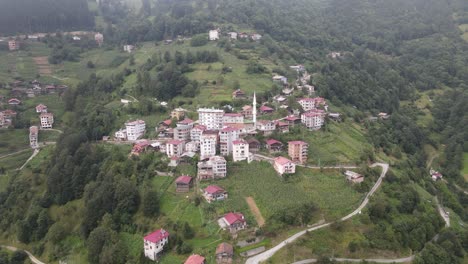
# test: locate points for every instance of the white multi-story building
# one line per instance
(311, 103)
(313, 119)
(182, 131)
(196, 132)
(13, 45)
(121, 134)
(284, 166)
(135, 129)
(211, 118)
(47, 120)
(175, 148)
(208, 145)
(192, 146)
(227, 135)
(154, 243)
(267, 127)
(214, 34)
(212, 168)
(233, 118)
(33, 136)
(240, 150)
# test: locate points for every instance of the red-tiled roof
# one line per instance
(224, 248)
(195, 259)
(282, 124)
(175, 142)
(265, 108)
(282, 160)
(239, 141)
(229, 129)
(292, 118)
(186, 121)
(232, 218)
(200, 127)
(272, 141)
(167, 122)
(157, 236)
(184, 179)
(213, 189)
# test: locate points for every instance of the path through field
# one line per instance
(31, 256)
(255, 211)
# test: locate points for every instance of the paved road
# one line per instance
(31, 256)
(443, 213)
(400, 260)
(269, 253)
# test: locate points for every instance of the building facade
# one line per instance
(47, 120)
(135, 129)
(211, 118)
(297, 151)
(154, 243)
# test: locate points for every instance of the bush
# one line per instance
(199, 40)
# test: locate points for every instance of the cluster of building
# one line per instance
(133, 130)
(215, 35)
(34, 88)
(46, 118)
(6, 118)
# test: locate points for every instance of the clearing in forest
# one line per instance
(255, 211)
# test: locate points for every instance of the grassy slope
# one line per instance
(465, 166)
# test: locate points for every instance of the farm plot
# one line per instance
(255, 211)
(43, 65)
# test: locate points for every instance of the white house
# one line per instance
(154, 243)
(227, 135)
(208, 145)
(232, 35)
(40, 108)
(233, 118)
(135, 129)
(280, 79)
(212, 168)
(196, 132)
(240, 150)
(99, 38)
(175, 148)
(121, 134)
(214, 34)
(233, 221)
(128, 48)
(354, 177)
(312, 103)
(192, 146)
(284, 166)
(182, 131)
(211, 118)
(267, 127)
(47, 120)
(313, 119)
(256, 37)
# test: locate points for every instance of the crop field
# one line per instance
(12, 140)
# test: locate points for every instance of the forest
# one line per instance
(33, 16)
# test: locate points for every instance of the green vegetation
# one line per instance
(465, 166)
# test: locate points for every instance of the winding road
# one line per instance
(31, 256)
(269, 253)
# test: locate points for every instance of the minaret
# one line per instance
(254, 111)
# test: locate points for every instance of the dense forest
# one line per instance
(393, 52)
(32, 16)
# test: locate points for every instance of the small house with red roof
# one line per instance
(154, 243)
(266, 127)
(195, 259)
(165, 124)
(247, 111)
(282, 127)
(283, 165)
(183, 183)
(175, 148)
(224, 253)
(140, 147)
(14, 101)
(254, 145)
(273, 145)
(214, 193)
(266, 110)
(233, 222)
(293, 120)
(238, 94)
(40, 108)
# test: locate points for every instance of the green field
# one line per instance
(465, 166)
(12, 140)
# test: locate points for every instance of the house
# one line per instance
(266, 110)
(212, 168)
(174, 161)
(196, 132)
(292, 120)
(224, 253)
(208, 143)
(280, 79)
(14, 101)
(135, 129)
(243, 35)
(33, 136)
(282, 127)
(99, 38)
(435, 175)
(214, 34)
(297, 68)
(211, 118)
(284, 166)
(175, 148)
(13, 45)
(297, 151)
(354, 177)
(247, 111)
(76, 38)
(267, 127)
(238, 94)
(183, 183)
(182, 129)
(47, 120)
(40, 108)
(121, 135)
(313, 119)
(192, 146)
(154, 243)
(227, 136)
(240, 150)
(165, 124)
(280, 99)
(254, 145)
(140, 147)
(334, 116)
(233, 118)
(274, 145)
(233, 222)
(334, 55)
(287, 91)
(128, 48)
(256, 37)
(312, 103)
(195, 259)
(383, 116)
(232, 35)
(214, 193)
(178, 113)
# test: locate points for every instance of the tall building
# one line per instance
(297, 151)
(33, 135)
(254, 110)
(227, 135)
(240, 150)
(313, 119)
(135, 129)
(208, 145)
(211, 118)
(47, 120)
(154, 243)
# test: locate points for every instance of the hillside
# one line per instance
(393, 76)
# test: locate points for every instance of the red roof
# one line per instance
(239, 141)
(167, 122)
(316, 112)
(175, 142)
(201, 127)
(282, 124)
(232, 218)
(292, 118)
(195, 259)
(272, 141)
(184, 179)
(224, 248)
(282, 160)
(186, 121)
(265, 108)
(14, 100)
(41, 106)
(229, 129)
(213, 189)
(157, 236)
(297, 142)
